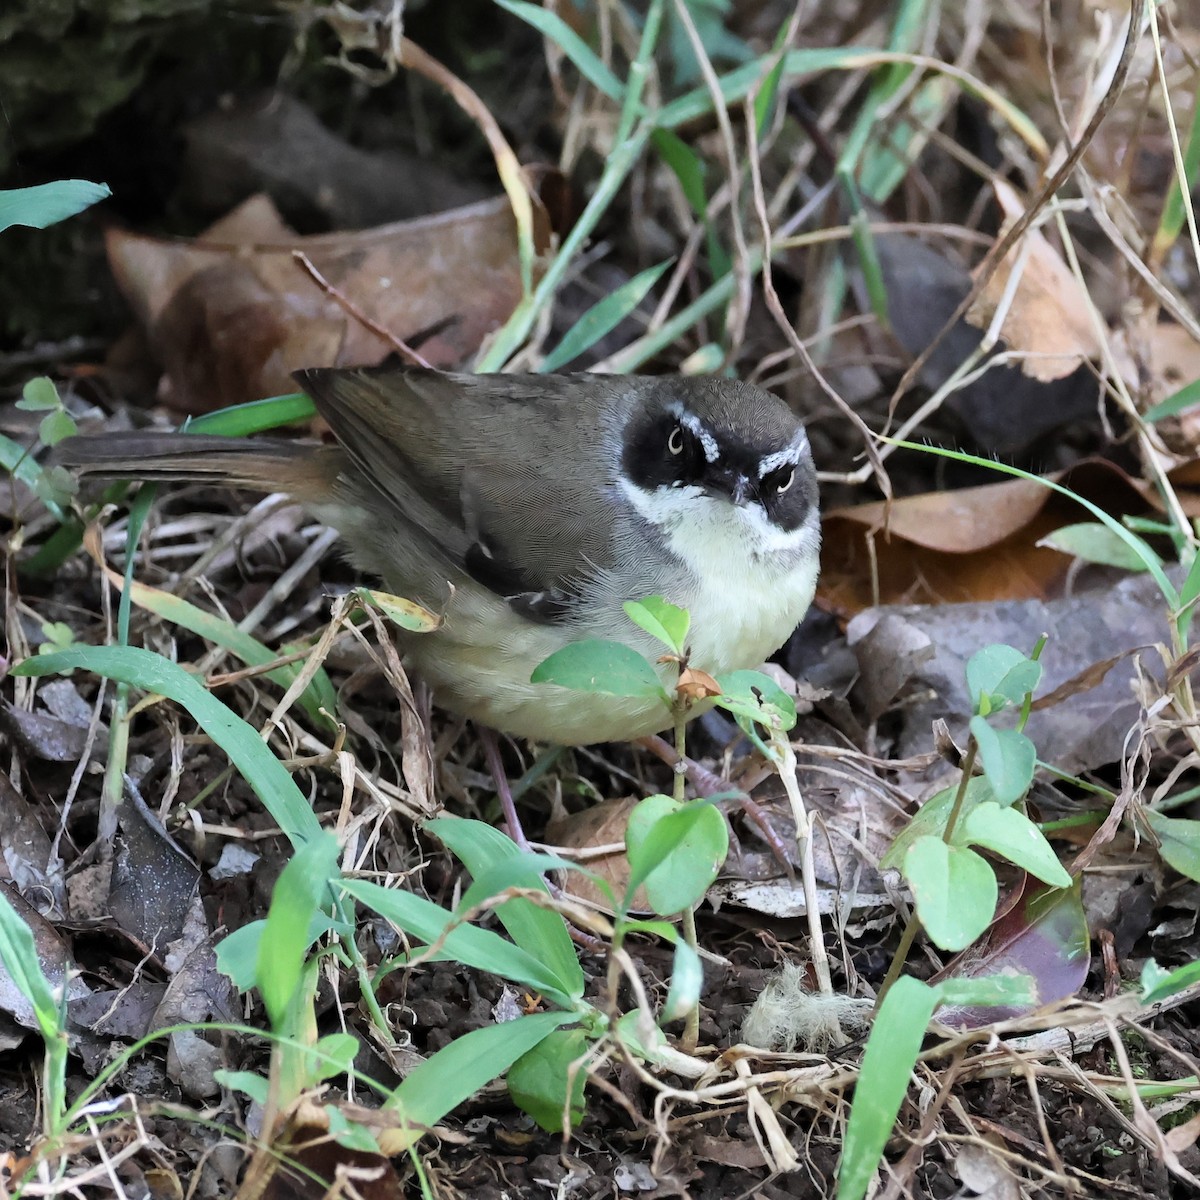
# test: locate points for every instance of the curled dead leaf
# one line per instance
(697, 685)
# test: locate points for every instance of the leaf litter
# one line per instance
(943, 563)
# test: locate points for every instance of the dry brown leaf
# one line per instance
(697, 685)
(231, 314)
(1049, 317)
(597, 825)
(973, 543)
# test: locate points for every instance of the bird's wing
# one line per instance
(489, 468)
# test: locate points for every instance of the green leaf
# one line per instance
(1179, 841)
(246, 1082)
(887, 1064)
(56, 426)
(604, 316)
(1008, 760)
(1096, 543)
(18, 952)
(687, 978)
(237, 954)
(405, 614)
(470, 945)
(596, 665)
(39, 395)
(988, 991)
(49, 203)
(586, 60)
(1014, 836)
(753, 696)
(930, 819)
(1158, 985)
(954, 890)
(350, 1134)
(999, 675)
(539, 931)
(333, 1054)
(662, 620)
(675, 851)
(435, 1088)
(240, 741)
(542, 1083)
(255, 416)
(686, 165)
(1187, 397)
(284, 945)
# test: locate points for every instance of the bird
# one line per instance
(528, 509)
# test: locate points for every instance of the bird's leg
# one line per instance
(708, 783)
(491, 751)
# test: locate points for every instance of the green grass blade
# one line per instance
(587, 61)
(49, 203)
(257, 416)
(602, 317)
(240, 741)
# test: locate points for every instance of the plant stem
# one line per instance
(691, 1029)
(680, 768)
(968, 769)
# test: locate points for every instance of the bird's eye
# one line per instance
(675, 441)
(779, 481)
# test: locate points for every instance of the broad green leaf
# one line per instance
(56, 426)
(1096, 543)
(674, 851)
(240, 741)
(887, 1064)
(931, 818)
(237, 954)
(333, 1055)
(757, 697)
(1179, 841)
(1159, 984)
(20, 463)
(470, 945)
(349, 1133)
(988, 991)
(662, 620)
(954, 890)
(294, 902)
(999, 675)
(49, 203)
(586, 60)
(246, 1082)
(1008, 760)
(540, 932)
(596, 665)
(603, 317)
(1014, 836)
(39, 395)
(540, 1080)
(435, 1088)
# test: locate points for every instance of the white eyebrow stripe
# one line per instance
(789, 456)
(703, 435)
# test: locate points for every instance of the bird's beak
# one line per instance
(730, 485)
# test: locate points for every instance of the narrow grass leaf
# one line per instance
(887, 1064)
(224, 633)
(295, 900)
(483, 850)
(1159, 985)
(604, 316)
(482, 949)
(256, 416)
(240, 741)
(435, 1088)
(586, 60)
(20, 463)
(49, 203)
(597, 665)
(18, 952)
(686, 165)
(1011, 834)
(1187, 397)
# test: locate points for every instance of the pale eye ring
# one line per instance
(783, 479)
(675, 441)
